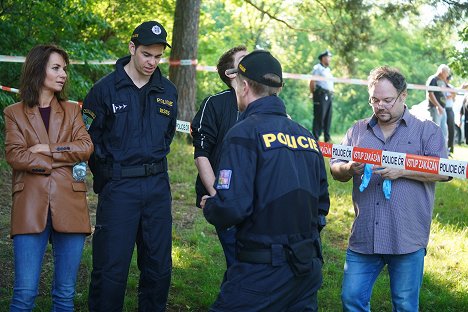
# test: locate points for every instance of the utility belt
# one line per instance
(114, 171)
(300, 255)
(320, 90)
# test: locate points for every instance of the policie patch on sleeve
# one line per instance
(88, 117)
(224, 180)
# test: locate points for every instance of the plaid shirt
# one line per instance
(401, 224)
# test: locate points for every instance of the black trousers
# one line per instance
(322, 114)
(132, 211)
(451, 128)
(466, 125)
(268, 288)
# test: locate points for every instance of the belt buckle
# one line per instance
(150, 169)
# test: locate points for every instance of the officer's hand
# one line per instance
(203, 200)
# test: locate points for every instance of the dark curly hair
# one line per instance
(391, 74)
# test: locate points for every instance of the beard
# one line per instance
(383, 115)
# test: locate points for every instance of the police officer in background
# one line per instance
(322, 93)
(131, 114)
(273, 186)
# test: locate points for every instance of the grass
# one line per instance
(198, 262)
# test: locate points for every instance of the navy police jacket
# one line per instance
(217, 114)
(271, 181)
(130, 126)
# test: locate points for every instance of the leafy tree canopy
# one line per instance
(361, 34)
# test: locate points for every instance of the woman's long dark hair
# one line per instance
(34, 73)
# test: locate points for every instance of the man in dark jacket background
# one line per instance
(217, 114)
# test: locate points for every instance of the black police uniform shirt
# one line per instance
(217, 114)
(271, 181)
(128, 125)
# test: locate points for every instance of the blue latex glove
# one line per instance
(365, 177)
(386, 186)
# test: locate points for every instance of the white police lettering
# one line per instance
(156, 30)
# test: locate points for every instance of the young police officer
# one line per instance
(272, 184)
(132, 117)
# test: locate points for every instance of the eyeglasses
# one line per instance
(386, 103)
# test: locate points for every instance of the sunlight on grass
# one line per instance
(199, 264)
(461, 152)
(447, 256)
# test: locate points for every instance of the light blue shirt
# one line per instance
(323, 71)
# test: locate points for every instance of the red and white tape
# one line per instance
(442, 166)
(194, 62)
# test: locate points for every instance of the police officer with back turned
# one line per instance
(272, 184)
(131, 114)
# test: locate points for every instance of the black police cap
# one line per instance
(149, 33)
(256, 65)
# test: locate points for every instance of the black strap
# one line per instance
(255, 256)
(263, 256)
(137, 171)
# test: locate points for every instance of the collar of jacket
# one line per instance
(123, 80)
(56, 120)
(265, 105)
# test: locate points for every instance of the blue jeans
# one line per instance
(440, 120)
(361, 271)
(29, 251)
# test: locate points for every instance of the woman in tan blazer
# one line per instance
(45, 137)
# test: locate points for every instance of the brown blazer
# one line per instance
(37, 184)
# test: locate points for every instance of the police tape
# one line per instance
(172, 62)
(194, 62)
(442, 166)
(9, 89)
(419, 163)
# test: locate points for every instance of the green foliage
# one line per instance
(360, 35)
(459, 63)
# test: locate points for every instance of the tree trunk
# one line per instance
(185, 47)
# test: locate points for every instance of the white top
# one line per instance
(323, 71)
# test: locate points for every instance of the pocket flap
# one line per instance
(79, 186)
(17, 187)
(304, 251)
